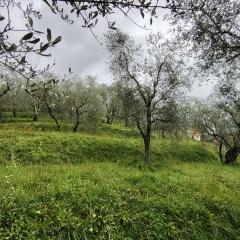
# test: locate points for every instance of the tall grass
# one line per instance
(94, 186)
(108, 201)
(27, 145)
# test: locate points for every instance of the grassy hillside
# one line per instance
(107, 201)
(38, 143)
(95, 186)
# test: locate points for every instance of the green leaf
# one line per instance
(95, 14)
(30, 21)
(13, 47)
(27, 36)
(49, 35)
(34, 41)
(57, 40)
(44, 47)
(23, 59)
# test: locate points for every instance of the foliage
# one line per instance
(220, 117)
(152, 74)
(19, 42)
(212, 27)
(90, 11)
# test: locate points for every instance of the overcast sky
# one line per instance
(81, 51)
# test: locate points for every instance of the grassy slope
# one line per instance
(186, 194)
(107, 201)
(32, 144)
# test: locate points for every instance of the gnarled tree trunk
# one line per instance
(147, 137)
(220, 151)
(231, 155)
(35, 114)
(14, 112)
(147, 142)
(77, 123)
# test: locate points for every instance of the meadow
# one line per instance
(94, 185)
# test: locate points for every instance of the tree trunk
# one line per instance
(126, 117)
(163, 133)
(113, 115)
(231, 155)
(220, 151)
(147, 141)
(51, 113)
(147, 138)
(126, 122)
(54, 118)
(75, 128)
(35, 114)
(14, 113)
(58, 125)
(109, 119)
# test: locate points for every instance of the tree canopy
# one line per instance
(210, 28)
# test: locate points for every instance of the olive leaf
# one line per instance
(27, 36)
(57, 40)
(49, 35)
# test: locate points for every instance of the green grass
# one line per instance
(108, 201)
(95, 186)
(38, 147)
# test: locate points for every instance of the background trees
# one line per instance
(5, 81)
(84, 102)
(147, 76)
(72, 100)
(110, 102)
(220, 117)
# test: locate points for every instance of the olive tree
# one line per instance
(52, 96)
(110, 101)
(83, 103)
(220, 118)
(155, 75)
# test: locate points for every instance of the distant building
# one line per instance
(194, 134)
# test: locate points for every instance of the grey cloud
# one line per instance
(80, 50)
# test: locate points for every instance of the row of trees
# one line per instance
(148, 92)
(149, 107)
(77, 99)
